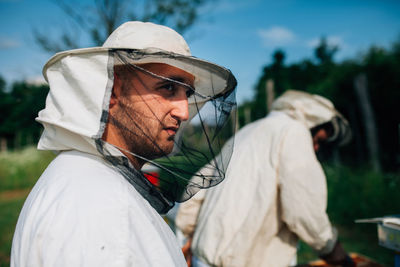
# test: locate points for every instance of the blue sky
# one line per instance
(240, 35)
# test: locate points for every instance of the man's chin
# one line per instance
(168, 150)
(163, 151)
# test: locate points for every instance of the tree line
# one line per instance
(19, 106)
(366, 90)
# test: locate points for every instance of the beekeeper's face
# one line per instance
(146, 109)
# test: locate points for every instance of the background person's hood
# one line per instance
(313, 110)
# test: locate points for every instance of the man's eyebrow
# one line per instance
(177, 78)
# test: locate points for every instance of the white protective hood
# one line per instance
(313, 110)
(81, 82)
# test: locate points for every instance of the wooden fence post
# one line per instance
(361, 90)
(3, 144)
(270, 92)
(247, 115)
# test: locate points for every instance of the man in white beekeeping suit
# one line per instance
(274, 193)
(110, 111)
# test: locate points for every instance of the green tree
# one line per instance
(336, 82)
(98, 19)
(5, 110)
(324, 52)
(382, 68)
(276, 72)
(20, 107)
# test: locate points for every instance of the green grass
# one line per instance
(361, 239)
(21, 169)
(10, 207)
(361, 193)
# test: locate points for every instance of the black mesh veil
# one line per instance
(174, 121)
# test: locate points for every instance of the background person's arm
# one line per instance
(303, 192)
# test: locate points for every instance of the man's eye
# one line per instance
(169, 87)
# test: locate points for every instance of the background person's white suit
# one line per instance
(274, 193)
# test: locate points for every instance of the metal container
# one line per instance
(389, 236)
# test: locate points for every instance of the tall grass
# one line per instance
(356, 193)
(20, 169)
(9, 211)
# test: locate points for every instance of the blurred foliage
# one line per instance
(9, 211)
(20, 169)
(19, 107)
(335, 81)
(356, 193)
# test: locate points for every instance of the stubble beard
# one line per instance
(139, 133)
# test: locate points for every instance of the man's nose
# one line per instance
(180, 109)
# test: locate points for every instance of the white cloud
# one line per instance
(276, 35)
(331, 40)
(313, 42)
(36, 80)
(6, 43)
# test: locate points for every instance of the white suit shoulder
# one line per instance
(97, 219)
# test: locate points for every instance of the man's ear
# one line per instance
(116, 91)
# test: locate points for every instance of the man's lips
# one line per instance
(171, 130)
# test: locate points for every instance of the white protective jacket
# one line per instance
(82, 212)
(274, 192)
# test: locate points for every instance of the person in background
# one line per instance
(274, 194)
